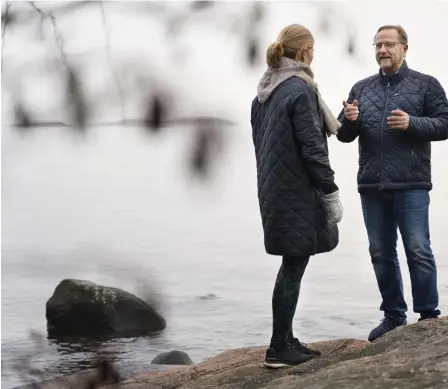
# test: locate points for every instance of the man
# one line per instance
(395, 115)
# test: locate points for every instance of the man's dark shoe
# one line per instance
(427, 318)
(304, 349)
(287, 357)
(429, 315)
(386, 325)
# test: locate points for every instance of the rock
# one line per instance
(173, 357)
(411, 357)
(241, 368)
(208, 296)
(410, 336)
(84, 308)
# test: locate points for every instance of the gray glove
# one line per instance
(332, 207)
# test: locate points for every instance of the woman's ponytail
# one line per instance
(274, 54)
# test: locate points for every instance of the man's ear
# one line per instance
(405, 48)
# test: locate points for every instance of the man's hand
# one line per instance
(398, 120)
(351, 110)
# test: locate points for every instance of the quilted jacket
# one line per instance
(292, 170)
(390, 158)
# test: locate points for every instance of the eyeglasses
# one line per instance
(388, 45)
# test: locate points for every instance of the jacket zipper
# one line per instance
(382, 130)
(413, 157)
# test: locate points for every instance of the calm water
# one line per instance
(117, 208)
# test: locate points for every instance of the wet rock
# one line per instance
(173, 357)
(83, 308)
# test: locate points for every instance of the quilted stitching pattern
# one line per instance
(391, 158)
(287, 170)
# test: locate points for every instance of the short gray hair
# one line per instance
(398, 28)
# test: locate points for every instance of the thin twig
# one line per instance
(57, 33)
(110, 60)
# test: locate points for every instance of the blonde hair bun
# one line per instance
(274, 54)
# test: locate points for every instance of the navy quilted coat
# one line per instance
(292, 168)
(390, 158)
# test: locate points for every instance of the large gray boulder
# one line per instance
(83, 308)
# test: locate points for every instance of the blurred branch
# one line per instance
(23, 364)
(24, 120)
(57, 33)
(76, 99)
(110, 60)
(190, 121)
(5, 20)
(208, 141)
(156, 115)
(252, 32)
(156, 112)
(201, 4)
(327, 13)
(75, 94)
(62, 8)
(104, 372)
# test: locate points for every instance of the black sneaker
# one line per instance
(287, 357)
(386, 325)
(304, 349)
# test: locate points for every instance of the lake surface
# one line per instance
(118, 207)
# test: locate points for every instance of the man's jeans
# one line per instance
(406, 209)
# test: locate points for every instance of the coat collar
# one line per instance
(395, 78)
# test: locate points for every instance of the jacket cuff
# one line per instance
(328, 188)
(412, 124)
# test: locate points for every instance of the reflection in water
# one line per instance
(73, 355)
(83, 353)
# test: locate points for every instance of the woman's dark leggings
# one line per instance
(284, 299)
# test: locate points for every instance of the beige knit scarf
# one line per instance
(290, 68)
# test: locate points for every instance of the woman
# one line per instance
(299, 200)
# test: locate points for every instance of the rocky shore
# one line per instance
(411, 357)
